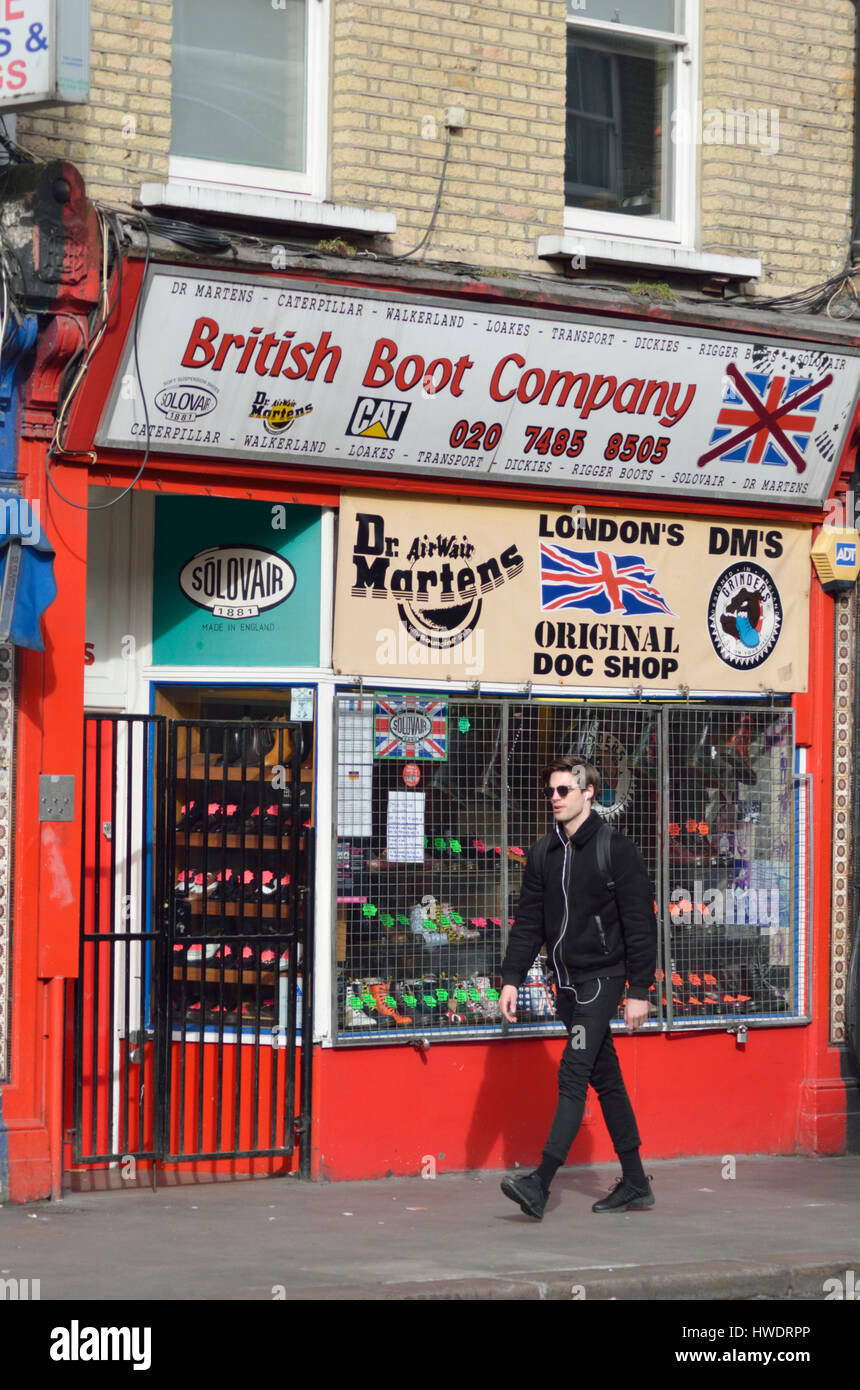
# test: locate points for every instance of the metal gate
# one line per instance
(193, 993)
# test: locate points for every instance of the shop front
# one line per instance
(362, 608)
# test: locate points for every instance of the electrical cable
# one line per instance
(427, 234)
(56, 445)
(816, 297)
(190, 235)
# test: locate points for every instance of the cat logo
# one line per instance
(276, 416)
(373, 418)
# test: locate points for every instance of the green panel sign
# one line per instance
(235, 583)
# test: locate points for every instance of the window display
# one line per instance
(438, 801)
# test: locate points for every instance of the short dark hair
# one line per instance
(585, 772)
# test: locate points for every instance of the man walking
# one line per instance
(594, 911)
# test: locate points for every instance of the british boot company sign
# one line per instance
(259, 368)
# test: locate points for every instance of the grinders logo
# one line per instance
(437, 585)
(744, 616)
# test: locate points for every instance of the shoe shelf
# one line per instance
(195, 973)
(199, 768)
(200, 908)
(249, 843)
(240, 857)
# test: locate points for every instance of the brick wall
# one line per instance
(792, 208)
(396, 69)
(122, 135)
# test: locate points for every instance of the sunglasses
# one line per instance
(550, 792)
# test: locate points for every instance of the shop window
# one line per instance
(630, 95)
(249, 94)
(439, 799)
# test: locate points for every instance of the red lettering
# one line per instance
(229, 340)
(300, 361)
(203, 335)
(463, 364)
(278, 363)
(495, 384)
(431, 386)
(591, 401)
(409, 372)
(10, 13)
(526, 392)
(266, 346)
(384, 353)
(323, 351)
(16, 75)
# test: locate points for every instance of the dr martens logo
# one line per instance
(276, 416)
(439, 589)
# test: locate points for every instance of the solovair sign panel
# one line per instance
(447, 590)
(252, 367)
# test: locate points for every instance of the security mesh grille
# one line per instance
(439, 799)
(729, 863)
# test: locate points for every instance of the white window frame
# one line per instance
(310, 183)
(679, 231)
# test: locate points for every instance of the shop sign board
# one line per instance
(466, 591)
(251, 367)
(235, 583)
(44, 52)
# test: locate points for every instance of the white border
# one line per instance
(620, 228)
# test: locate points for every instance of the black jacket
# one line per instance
(588, 929)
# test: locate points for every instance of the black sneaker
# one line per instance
(528, 1192)
(626, 1197)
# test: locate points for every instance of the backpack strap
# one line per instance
(604, 856)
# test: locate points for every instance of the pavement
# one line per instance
(724, 1229)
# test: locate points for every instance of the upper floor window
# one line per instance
(629, 76)
(248, 101)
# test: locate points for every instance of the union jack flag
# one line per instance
(597, 581)
(413, 727)
(765, 419)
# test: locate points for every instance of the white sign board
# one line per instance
(262, 368)
(44, 52)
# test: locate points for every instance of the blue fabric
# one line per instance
(36, 587)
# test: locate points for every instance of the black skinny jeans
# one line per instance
(590, 1056)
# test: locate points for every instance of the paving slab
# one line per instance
(779, 1229)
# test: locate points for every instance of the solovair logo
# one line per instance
(237, 581)
(411, 726)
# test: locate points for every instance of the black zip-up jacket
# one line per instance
(589, 930)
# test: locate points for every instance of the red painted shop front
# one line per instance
(425, 781)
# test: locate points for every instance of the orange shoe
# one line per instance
(386, 1004)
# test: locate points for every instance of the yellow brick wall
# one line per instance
(792, 208)
(396, 69)
(121, 137)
